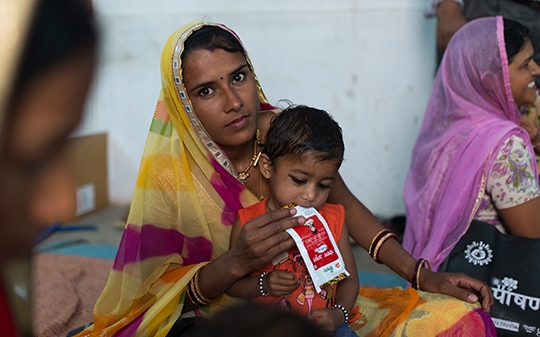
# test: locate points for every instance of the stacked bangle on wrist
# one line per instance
(345, 312)
(378, 241)
(415, 282)
(261, 289)
(195, 294)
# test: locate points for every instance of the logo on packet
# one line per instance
(321, 249)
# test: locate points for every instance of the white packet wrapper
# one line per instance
(318, 248)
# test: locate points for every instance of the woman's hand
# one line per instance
(263, 238)
(458, 285)
(252, 247)
(280, 283)
(328, 319)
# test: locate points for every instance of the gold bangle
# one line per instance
(416, 277)
(193, 296)
(198, 289)
(380, 244)
(376, 239)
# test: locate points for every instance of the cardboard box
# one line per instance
(87, 156)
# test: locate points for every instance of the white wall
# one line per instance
(368, 62)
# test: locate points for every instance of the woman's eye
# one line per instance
(297, 181)
(205, 92)
(240, 77)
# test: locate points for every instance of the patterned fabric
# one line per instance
(398, 312)
(185, 202)
(303, 299)
(510, 182)
(470, 114)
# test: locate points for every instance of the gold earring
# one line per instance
(258, 136)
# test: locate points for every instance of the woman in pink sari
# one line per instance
(472, 159)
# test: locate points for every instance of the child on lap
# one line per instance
(301, 157)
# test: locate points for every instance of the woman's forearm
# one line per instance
(247, 287)
(398, 259)
(363, 226)
(220, 274)
(216, 277)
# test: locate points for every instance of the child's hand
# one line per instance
(280, 282)
(531, 129)
(328, 319)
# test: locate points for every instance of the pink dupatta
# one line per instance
(470, 113)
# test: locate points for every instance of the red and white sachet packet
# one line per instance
(318, 248)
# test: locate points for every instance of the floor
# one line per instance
(110, 221)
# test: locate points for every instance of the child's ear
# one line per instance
(265, 166)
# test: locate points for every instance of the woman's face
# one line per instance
(223, 92)
(523, 71)
(36, 187)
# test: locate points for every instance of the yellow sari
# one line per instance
(185, 202)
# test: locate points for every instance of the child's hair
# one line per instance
(299, 129)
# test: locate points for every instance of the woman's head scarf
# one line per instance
(470, 113)
(185, 202)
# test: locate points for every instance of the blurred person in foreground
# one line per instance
(52, 60)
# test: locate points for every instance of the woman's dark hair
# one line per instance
(211, 37)
(515, 36)
(60, 29)
(299, 129)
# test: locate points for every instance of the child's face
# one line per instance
(304, 180)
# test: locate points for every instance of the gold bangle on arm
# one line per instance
(380, 244)
(376, 239)
(198, 289)
(416, 275)
(195, 294)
